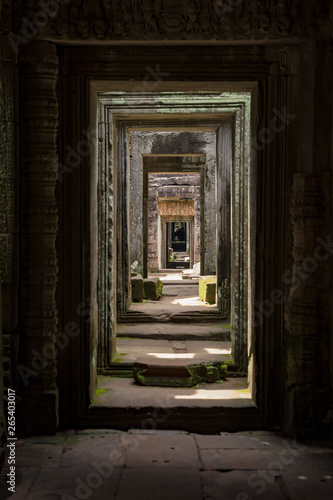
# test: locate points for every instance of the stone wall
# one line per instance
(9, 228)
(166, 20)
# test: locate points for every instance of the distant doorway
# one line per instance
(178, 236)
(178, 233)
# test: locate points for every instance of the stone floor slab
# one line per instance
(141, 342)
(168, 451)
(147, 349)
(123, 393)
(24, 479)
(177, 299)
(158, 432)
(99, 480)
(130, 350)
(82, 450)
(216, 345)
(165, 465)
(170, 330)
(159, 484)
(230, 442)
(241, 459)
(303, 483)
(98, 432)
(239, 485)
(32, 453)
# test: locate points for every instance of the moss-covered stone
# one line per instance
(232, 367)
(99, 392)
(172, 373)
(169, 374)
(207, 289)
(137, 288)
(213, 374)
(198, 372)
(121, 373)
(222, 368)
(152, 288)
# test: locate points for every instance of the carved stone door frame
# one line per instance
(84, 75)
(229, 116)
(157, 164)
(173, 218)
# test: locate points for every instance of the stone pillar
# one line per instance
(188, 237)
(307, 339)
(2, 409)
(8, 290)
(39, 218)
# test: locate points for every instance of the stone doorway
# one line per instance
(233, 98)
(178, 197)
(147, 145)
(177, 189)
(173, 198)
(177, 242)
(180, 145)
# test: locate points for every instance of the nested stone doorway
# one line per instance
(231, 93)
(177, 242)
(172, 219)
(146, 144)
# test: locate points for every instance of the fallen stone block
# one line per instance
(172, 373)
(222, 369)
(213, 374)
(152, 288)
(207, 289)
(137, 288)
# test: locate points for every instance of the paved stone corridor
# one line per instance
(169, 465)
(130, 350)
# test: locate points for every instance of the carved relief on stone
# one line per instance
(305, 312)
(174, 19)
(308, 213)
(225, 295)
(39, 215)
(5, 16)
(303, 323)
(175, 207)
(6, 164)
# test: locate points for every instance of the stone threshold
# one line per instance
(126, 393)
(203, 420)
(175, 331)
(129, 350)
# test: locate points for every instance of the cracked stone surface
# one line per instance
(148, 464)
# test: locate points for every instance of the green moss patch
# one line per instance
(99, 392)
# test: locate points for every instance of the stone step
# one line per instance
(184, 283)
(176, 373)
(130, 350)
(175, 331)
(169, 374)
